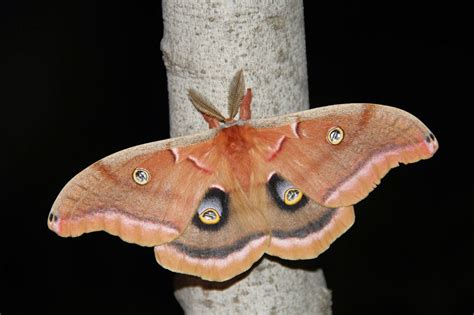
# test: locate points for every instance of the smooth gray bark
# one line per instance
(204, 44)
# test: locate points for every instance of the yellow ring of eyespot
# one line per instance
(205, 220)
(335, 141)
(139, 181)
(294, 201)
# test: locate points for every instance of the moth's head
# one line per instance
(238, 101)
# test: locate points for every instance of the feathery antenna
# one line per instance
(204, 106)
(236, 93)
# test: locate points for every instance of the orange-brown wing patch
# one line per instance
(376, 138)
(106, 197)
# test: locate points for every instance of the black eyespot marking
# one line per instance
(286, 196)
(214, 203)
(52, 217)
(430, 137)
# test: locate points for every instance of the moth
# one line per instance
(213, 203)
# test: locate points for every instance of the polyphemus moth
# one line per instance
(213, 203)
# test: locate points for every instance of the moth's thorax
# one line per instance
(235, 139)
(236, 143)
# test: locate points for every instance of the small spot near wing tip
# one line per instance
(53, 222)
(431, 144)
(368, 175)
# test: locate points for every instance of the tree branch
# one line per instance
(204, 44)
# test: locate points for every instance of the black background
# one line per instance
(81, 80)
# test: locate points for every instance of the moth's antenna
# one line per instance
(236, 93)
(204, 106)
